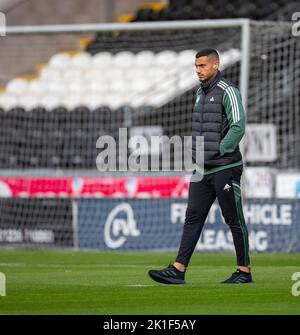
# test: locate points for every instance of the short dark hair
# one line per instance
(208, 52)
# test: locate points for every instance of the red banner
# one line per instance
(108, 187)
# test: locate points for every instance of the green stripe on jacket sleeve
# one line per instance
(232, 102)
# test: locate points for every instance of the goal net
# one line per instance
(63, 90)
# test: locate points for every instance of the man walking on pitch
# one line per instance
(219, 117)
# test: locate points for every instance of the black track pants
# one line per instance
(225, 185)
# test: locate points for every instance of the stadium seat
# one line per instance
(215, 9)
(29, 101)
(8, 100)
(185, 57)
(50, 101)
(108, 79)
(165, 58)
(123, 59)
(17, 86)
(81, 61)
(93, 100)
(59, 61)
(102, 60)
(50, 74)
(37, 87)
(144, 58)
(72, 73)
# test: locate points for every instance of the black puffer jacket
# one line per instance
(210, 121)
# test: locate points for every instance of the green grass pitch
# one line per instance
(69, 282)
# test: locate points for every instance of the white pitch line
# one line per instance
(139, 285)
(77, 265)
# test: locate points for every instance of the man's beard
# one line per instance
(207, 81)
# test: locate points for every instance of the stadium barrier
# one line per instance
(141, 224)
(156, 224)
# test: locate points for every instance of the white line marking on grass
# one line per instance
(75, 265)
(138, 285)
(13, 264)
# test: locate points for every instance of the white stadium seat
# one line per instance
(97, 86)
(70, 101)
(137, 101)
(186, 57)
(50, 74)
(144, 58)
(71, 74)
(235, 54)
(37, 87)
(92, 100)
(229, 57)
(115, 80)
(56, 87)
(29, 101)
(95, 75)
(188, 79)
(114, 100)
(76, 86)
(102, 60)
(158, 99)
(124, 59)
(158, 74)
(134, 74)
(118, 86)
(50, 101)
(166, 58)
(224, 60)
(8, 100)
(141, 85)
(59, 61)
(114, 73)
(17, 86)
(82, 61)
(103, 75)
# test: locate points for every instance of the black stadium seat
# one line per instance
(214, 9)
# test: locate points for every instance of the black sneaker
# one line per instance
(169, 275)
(239, 277)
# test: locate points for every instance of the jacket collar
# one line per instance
(215, 80)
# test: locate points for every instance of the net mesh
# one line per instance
(51, 120)
(274, 87)
(36, 223)
(55, 119)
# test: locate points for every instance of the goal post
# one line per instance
(169, 88)
(244, 24)
(65, 86)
